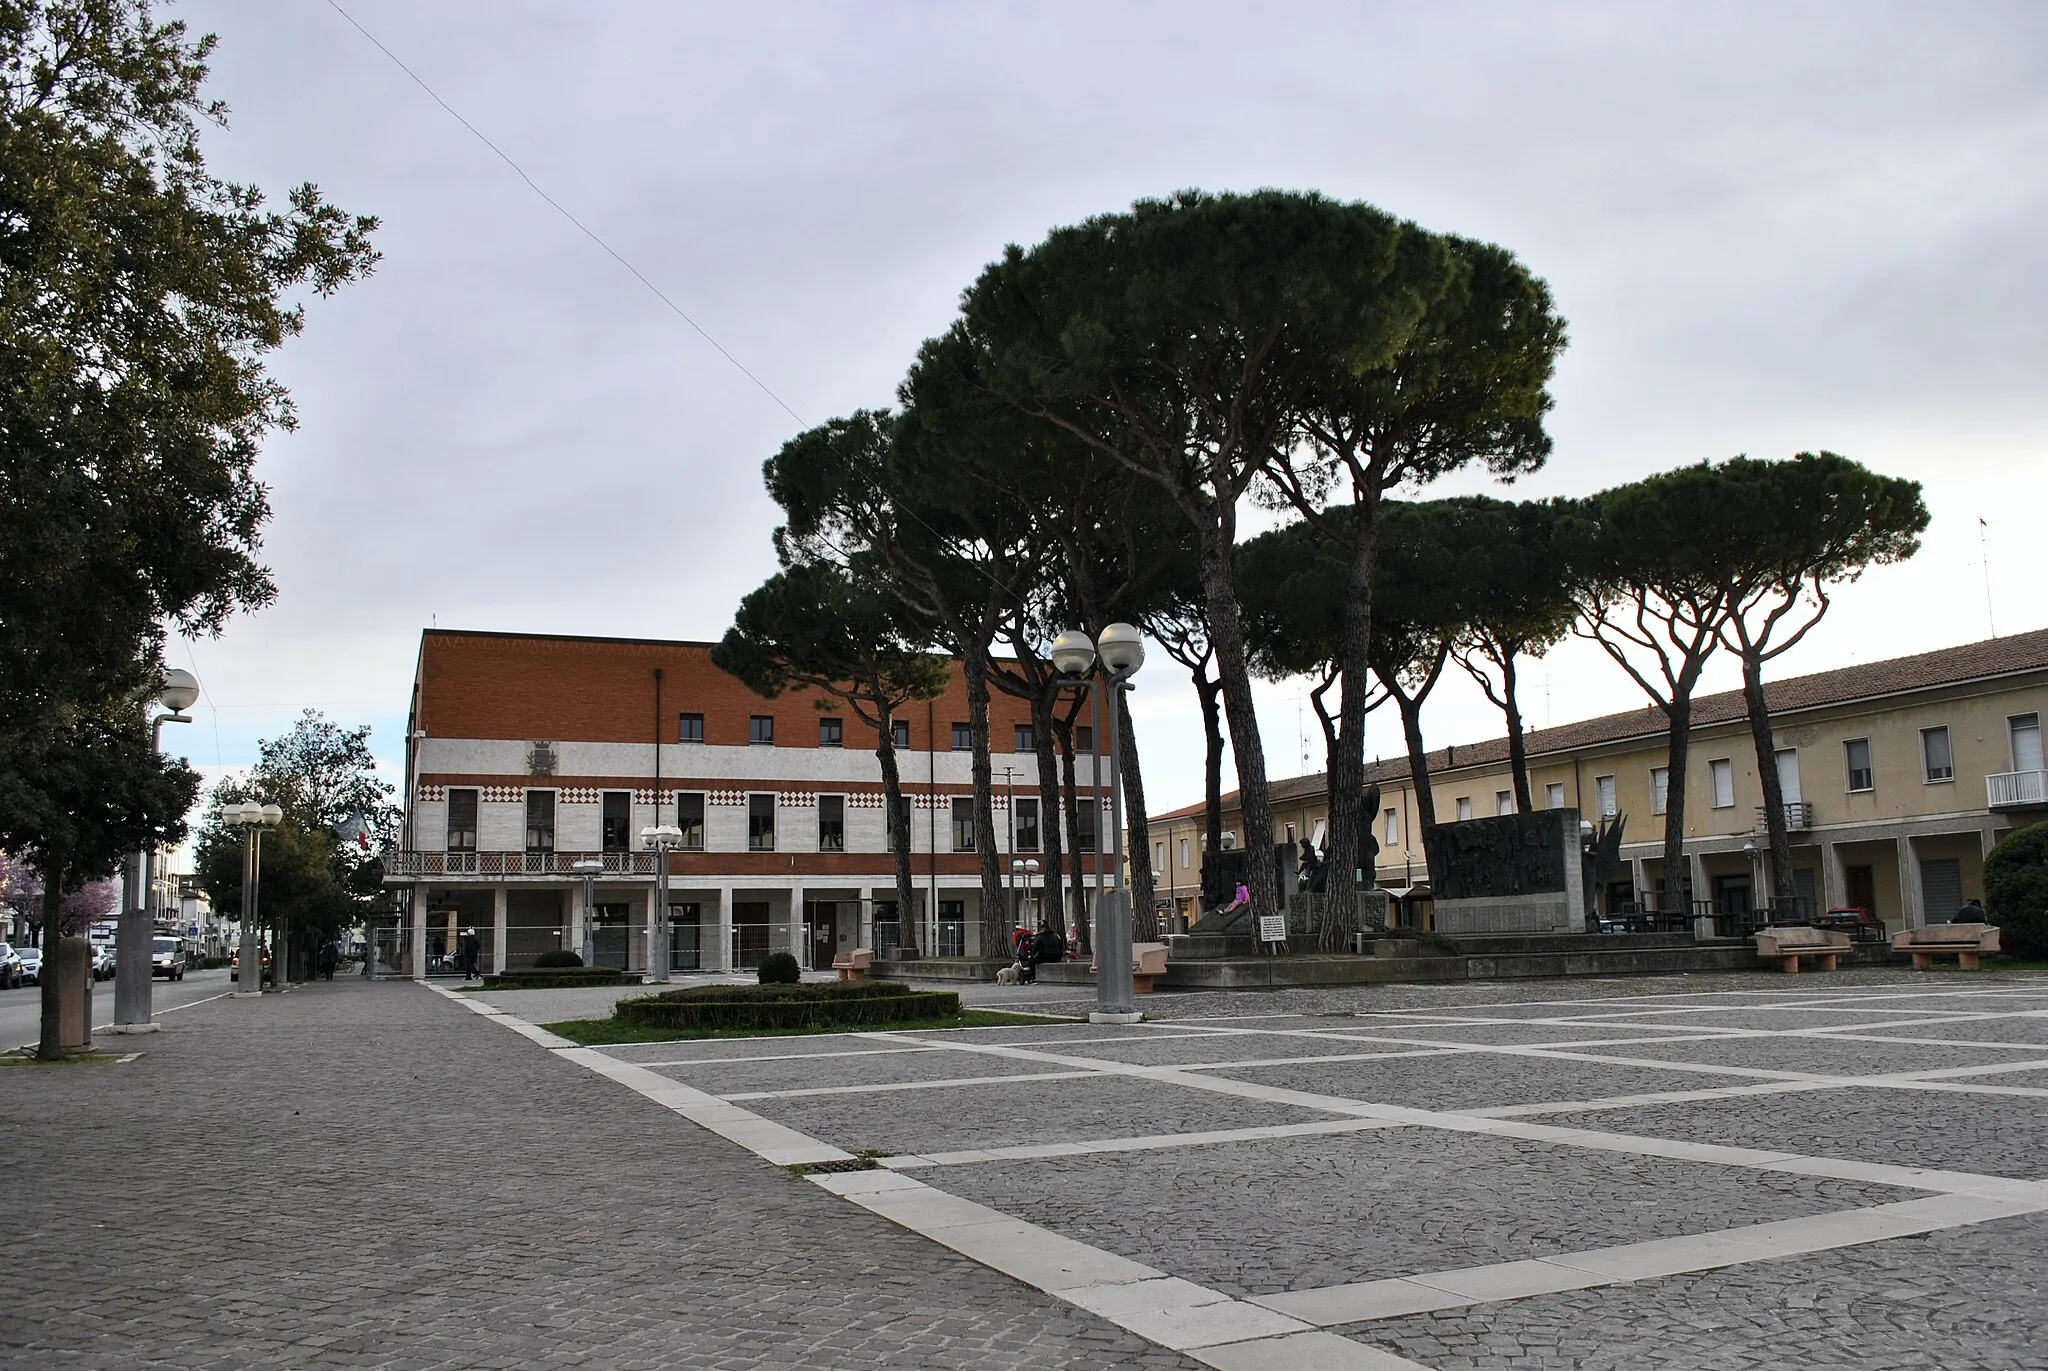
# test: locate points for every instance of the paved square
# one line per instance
(1846, 1171)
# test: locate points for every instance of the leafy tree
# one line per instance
(94, 792)
(21, 889)
(1790, 529)
(1467, 383)
(2016, 890)
(813, 624)
(1517, 603)
(1174, 340)
(139, 298)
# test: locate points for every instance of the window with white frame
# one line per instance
(1603, 796)
(1553, 795)
(461, 820)
(831, 823)
(1936, 755)
(1390, 827)
(761, 823)
(1721, 774)
(1856, 761)
(1026, 812)
(1660, 789)
(1503, 801)
(1159, 856)
(963, 823)
(1184, 854)
(690, 819)
(1464, 808)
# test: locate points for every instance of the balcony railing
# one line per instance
(2016, 789)
(553, 864)
(1798, 815)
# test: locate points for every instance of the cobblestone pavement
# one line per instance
(1480, 1139)
(368, 1176)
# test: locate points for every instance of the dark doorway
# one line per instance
(1860, 886)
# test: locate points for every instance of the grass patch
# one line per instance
(602, 1032)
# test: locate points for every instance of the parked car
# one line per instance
(103, 961)
(10, 967)
(31, 965)
(235, 966)
(167, 958)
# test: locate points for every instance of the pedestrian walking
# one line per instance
(472, 949)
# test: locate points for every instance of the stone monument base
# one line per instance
(1546, 913)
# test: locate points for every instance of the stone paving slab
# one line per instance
(1518, 1034)
(2019, 1032)
(1473, 1080)
(1011, 1115)
(816, 1070)
(1257, 1218)
(1964, 1299)
(1817, 1055)
(431, 1191)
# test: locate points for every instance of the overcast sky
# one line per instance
(1771, 227)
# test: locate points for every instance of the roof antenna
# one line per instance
(1984, 547)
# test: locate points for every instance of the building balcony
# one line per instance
(499, 865)
(2016, 790)
(1798, 817)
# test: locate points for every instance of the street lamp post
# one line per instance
(1121, 650)
(664, 839)
(252, 819)
(587, 868)
(1024, 869)
(134, 982)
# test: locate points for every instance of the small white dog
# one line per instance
(1008, 975)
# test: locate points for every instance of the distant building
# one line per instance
(528, 753)
(1898, 777)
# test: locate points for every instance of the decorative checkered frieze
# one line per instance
(864, 799)
(433, 794)
(731, 799)
(579, 795)
(501, 794)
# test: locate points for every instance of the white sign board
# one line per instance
(1273, 928)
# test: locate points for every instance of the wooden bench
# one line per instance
(1967, 943)
(853, 966)
(1788, 946)
(1148, 963)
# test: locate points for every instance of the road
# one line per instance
(21, 1010)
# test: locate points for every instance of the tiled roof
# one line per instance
(1923, 671)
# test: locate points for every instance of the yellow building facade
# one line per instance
(1898, 776)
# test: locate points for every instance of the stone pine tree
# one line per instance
(1180, 627)
(140, 297)
(92, 794)
(1174, 340)
(1788, 531)
(829, 628)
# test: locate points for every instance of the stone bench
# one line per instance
(853, 966)
(1788, 946)
(1967, 943)
(1148, 963)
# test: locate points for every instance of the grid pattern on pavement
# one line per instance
(1631, 1176)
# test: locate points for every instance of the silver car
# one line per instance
(31, 965)
(103, 961)
(10, 967)
(167, 958)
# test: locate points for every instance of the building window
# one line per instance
(540, 821)
(831, 732)
(1184, 854)
(1721, 774)
(1553, 795)
(1603, 793)
(1026, 820)
(618, 820)
(1464, 808)
(963, 737)
(1158, 857)
(1856, 756)
(1503, 801)
(1027, 738)
(899, 730)
(963, 823)
(1660, 789)
(1391, 827)
(1084, 738)
(1290, 835)
(690, 819)
(689, 728)
(2024, 731)
(761, 730)
(462, 821)
(831, 823)
(760, 823)
(1934, 751)
(1084, 828)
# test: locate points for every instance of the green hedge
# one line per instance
(561, 978)
(826, 1005)
(2016, 891)
(556, 959)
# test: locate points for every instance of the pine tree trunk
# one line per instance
(1518, 746)
(50, 1037)
(1226, 636)
(1144, 914)
(1076, 881)
(995, 923)
(1212, 776)
(1784, 888)
(1051, 844)
(1418, 776)
(898, 823)
(1678, 889)
(1346, 763)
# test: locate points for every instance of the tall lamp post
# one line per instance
(134, 982)
(588, 868)
(1024, 869)
(252, 818)
(1121, 650)
(664, 839)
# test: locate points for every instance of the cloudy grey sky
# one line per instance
(1771, 227)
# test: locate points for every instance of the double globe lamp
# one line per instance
(1121, 650)
(252, 818)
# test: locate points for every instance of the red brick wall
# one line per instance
(601, 690)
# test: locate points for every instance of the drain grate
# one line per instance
(834, 1168)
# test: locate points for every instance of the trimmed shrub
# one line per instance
(562, 958)
(826, 1005)
(561, 978)
(2016, 891)
(779, 968)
